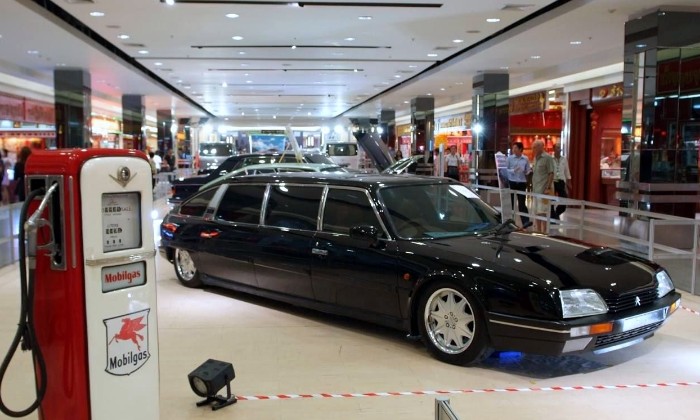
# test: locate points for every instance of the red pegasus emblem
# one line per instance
(128, 331)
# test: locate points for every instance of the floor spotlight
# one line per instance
(208, 379)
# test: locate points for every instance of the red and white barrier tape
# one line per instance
(461, 391)
(692, 311)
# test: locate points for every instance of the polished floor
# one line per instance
(283, 352)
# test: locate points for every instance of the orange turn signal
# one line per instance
(601, 328)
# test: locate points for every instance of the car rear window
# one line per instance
(342, 149)
(241, 204)
(197, 205)
(293, 206)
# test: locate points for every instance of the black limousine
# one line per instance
(421, 254)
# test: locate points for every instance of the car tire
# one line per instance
(452, 325)
(185, 269)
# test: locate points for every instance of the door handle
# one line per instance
(210, 234)
(319, 252)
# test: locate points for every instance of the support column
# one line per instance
(133, 116)
(422, 123)
(490, 131)
(659, 150)
(164, 121)
(387, 121)
(72, 92)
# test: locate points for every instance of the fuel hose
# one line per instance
(25, 334)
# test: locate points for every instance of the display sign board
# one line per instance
(121, 221)
(502, 169)
(526, 104)
(123, 276)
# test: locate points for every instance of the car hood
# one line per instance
(560, 262)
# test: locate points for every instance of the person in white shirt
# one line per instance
(452, 164)
(158, 161)
(562, 181)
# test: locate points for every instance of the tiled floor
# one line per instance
(280, 349)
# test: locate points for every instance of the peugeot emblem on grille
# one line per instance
(637, 301)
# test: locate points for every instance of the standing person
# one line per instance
(170, 159)
(153, 168)
(562, 180)
(452, 164)
(158, 161)
(5, 184)
(19, 172)
(518, 169)
(542, 182)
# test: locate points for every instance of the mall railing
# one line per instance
(653, 235)
(443, 411)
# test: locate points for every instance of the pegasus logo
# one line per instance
(637, 301)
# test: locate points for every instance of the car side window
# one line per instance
(347, 208)
(293, 207)
(197, 205)
(241, 204)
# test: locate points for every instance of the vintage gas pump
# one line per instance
(92, 285)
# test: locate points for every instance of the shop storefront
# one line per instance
(455, 130)
(536, 116)
(26, 122)
(403, 138)
(106, 132)
(595, 153)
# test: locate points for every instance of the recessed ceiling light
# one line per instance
(231, 15)
(308, 113)
(350, 39)
(61, 64)
(169, 2)
(432, 55)
(97, 14)
(354, 70)
(365, 17)
(412, 66)
(237, 38)
(442, 89)
(157, 63)
(226, 119)
(457, 41)
(294, 47)
(405, 102)
(123, 36)
(242, 113)
(179, 80)
(429, 94)
(459, 83)
(32, 52)
(143, 51)
(504, 67)
(575, 42)
(641, 45)
(249, 81)
(244, 65)
(187, 87)
(535, 57)
(493, 20)
(224, 84)
(397, 76)
(241, 52)
(274, 117)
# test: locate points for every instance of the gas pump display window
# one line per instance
(121, 221)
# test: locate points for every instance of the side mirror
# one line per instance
(366, 232)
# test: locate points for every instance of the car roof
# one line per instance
(349, 179)
(307, 167)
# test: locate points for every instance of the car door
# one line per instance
(282, 255)
(233, 231)
(360, 274)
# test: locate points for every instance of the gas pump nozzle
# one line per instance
(31, 223)
(34, 222)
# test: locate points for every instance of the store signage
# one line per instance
(11, 108)
(675, 76)
(28, 134)
(608, 92)
(39, 112)
(526, 104)
(456, 122)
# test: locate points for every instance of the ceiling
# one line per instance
(307, 63)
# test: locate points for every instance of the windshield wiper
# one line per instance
(501, 227)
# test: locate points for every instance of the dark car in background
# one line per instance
(211, 155)
(416, 164)
(183, 188)
(421, 254)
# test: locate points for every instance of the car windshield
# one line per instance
(432, 211)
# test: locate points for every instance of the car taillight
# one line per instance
(170, 227)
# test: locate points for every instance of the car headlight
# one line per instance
(581, 302)
(665, 283)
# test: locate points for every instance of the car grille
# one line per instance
(624, 302)
(606, 340)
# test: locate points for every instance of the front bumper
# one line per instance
(621, 329)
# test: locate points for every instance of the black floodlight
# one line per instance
(208, 379)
